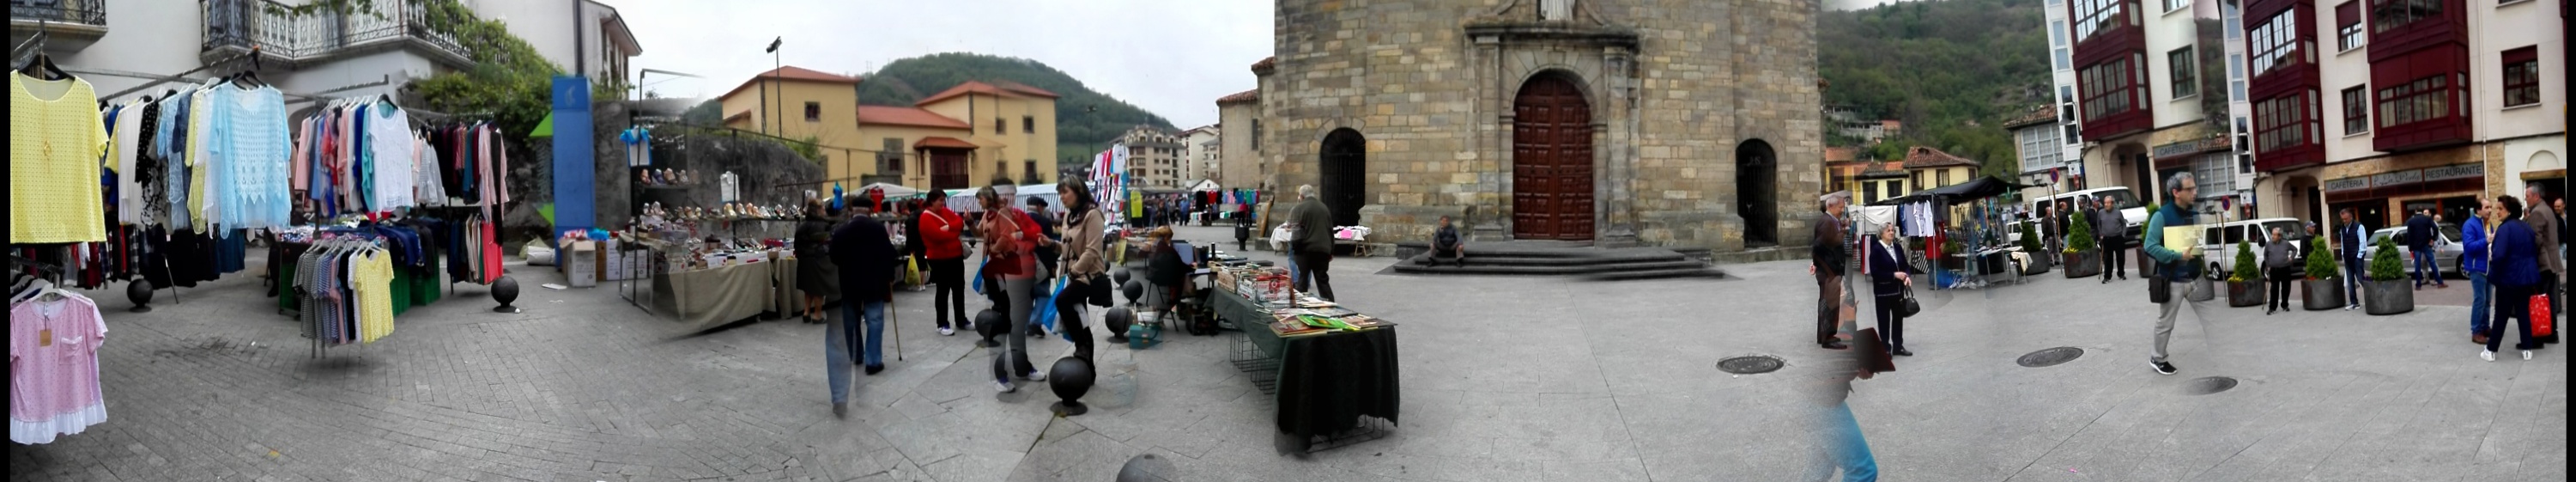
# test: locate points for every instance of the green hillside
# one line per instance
(1085, 120)
(1939, 66)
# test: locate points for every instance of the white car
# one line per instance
(2132, 213)
(2218, 242)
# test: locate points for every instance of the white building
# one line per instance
(1153, 157)
(119, 45)
(1200, 154)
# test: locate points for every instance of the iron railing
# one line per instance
(276, 32)
(84, 12)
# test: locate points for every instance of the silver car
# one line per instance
(2446, 248)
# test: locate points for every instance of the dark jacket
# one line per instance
(1884, 263)
(1314, 227)
(1445, 239)
(866, 256)
(2419, 233)
(2517, 255)
(2348, 240)
(1829, 254)
(2169, 260)
(2546, 228)
(1167, 268)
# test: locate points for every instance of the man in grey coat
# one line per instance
(2544, 227)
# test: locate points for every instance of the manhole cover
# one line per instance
(2050, 357)
(2209, 385)
(1749, 365)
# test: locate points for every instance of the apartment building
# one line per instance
(962, 137)
(2138, 89)
(1199, 156)
(2389, 106)
(1154, 157)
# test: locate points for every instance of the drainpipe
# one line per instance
(580, 62)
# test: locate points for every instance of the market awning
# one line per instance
(1961, 193)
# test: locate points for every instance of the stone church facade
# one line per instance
(1683, 123)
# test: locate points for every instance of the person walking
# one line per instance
(2280, 267)
(816, 274)
(1826, 260)
(2177, 265)
(2474, 250)
(2110, 232)
(2349, 238)
(1838, 434)
(1083, 260)
(2420, 232)
(2516, 273)
(1314, 243)
(942, 245)
(2546, 228)
(1890, 275)
(1047, 253)
(1010, 242)
(866, 255)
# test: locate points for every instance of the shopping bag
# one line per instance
(2540, 316)
(1045, 307)
(912, 271)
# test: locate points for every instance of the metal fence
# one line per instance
(277, 32)
(85, 12)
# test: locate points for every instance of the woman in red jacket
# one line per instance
(940, 229)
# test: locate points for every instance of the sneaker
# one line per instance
(1004, 387)
(2526, 355)
(1035, 376)
(2351, 307)
(946, 331)
(873, 369)
(2162, 368)
(2488, 355)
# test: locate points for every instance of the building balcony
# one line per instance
(68, 25)
(236, 26)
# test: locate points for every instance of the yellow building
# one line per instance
(1929, 168)
(962, 137)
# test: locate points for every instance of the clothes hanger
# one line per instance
(42, 67)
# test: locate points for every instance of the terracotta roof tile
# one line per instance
(1253, 95)
(793, 73)
(2038, 115)
(979, 87)
(943, 142)
(1923, 157)
(1025, 89)
(1264, 66)
(907, 116)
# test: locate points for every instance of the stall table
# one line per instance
(1325, 381)
(713, 297)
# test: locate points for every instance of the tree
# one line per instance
(2321, 265)
(2244, 264)
(509, 79)
(2079, 232)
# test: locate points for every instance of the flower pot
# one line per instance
(2387, 297)
(2202, 289)
(2321, 294)
(2084, 264)
(2245, 293)
(2038, 265)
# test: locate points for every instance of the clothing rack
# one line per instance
(338, 239)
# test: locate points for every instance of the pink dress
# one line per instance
(53, 368)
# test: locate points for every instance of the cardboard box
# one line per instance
(582, 264)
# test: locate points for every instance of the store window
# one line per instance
(2420, 100)
(2521, 77)
(2386, 15)
(2275, 42)
(2356, 110)
(2172, 5)
(2348, 34)
(2183, 72)
(2107, 89)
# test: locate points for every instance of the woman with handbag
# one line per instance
(1892, 281)
(1085, 269)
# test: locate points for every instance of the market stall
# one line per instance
(710, 297)
(1331, 366)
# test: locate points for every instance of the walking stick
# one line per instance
(897, 321)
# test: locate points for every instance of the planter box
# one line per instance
(2038, 266)
(2084, 264)
(2202, 289)
(2040, 261)
(2245, 293)
(2321, 294)
(2388, 297)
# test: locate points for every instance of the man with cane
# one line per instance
(869, 270)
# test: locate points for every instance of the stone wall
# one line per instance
(1671, 102)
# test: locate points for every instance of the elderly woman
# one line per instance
(1010, 256)
(816, 275)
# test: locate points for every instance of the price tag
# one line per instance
(45, 337)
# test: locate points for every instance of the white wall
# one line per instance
(2167, 31)
(2495, 29)
(2336, 71)
(153, 36)
(546, 25)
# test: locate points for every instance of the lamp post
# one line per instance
(775, 66)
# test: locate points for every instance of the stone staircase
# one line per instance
(1559, 258)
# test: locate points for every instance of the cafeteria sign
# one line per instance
(2347, 184)
(2397, 178)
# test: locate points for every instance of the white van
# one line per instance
(2132, 212)
(2218, 241)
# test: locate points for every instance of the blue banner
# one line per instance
(574, 201)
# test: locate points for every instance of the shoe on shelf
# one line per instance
(2162, 368)
(2526, 355)
(2488, 355)
(946, 331)
(1004, 387)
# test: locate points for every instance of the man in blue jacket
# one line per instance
(2473, 263)
(2177, 264)
(2420, 233)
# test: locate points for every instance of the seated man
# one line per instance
(1445, 245)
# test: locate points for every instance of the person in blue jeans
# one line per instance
(2473, 263)
(2420, 234)
(868, 260)
(2350, 238)
(1839, 436)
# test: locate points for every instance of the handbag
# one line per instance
(1909, 308)
(2540, 316)
(2159, 291)
(1098, 290)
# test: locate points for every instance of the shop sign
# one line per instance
(2347, 184)
(2455, 171)
(2397, 178)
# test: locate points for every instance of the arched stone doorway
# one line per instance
(1345, 175)
(1757, 193)
(1551, 160)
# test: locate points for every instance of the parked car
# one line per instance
(2446, 248)
(2218, 243)
(2132, 213)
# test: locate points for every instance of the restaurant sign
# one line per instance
(2347, 184)
(2455, 171)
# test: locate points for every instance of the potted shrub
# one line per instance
(2245, 285)
(2083, 257)
(2030, 246)
(2323, 290)
(2388, 292)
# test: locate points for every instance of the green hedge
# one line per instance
(2321, 261)
(2385, 264)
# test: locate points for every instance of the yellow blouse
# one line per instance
(54, 155)
(374, 275)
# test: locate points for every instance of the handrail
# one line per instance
(287, 36)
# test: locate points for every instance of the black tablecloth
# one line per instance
(1326, 381)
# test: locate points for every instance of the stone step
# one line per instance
(1759, 255)
(1475, 268)
(1692, 272)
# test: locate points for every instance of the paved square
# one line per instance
(1505, 379)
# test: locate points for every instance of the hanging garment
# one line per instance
(372, 276)
(428, 186)
(56, 136)
(53, 367)
(390, 156)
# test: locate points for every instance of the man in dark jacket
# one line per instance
(2348, 239)
(866, 255)
(1445, 245)
(2419, 245)
(1826, 260)
(1314, 243)
(2111, 233)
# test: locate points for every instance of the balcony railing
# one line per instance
(268, 26)
(84, 12)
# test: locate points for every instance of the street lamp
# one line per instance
(775, 66)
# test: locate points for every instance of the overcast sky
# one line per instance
(1173, 57)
